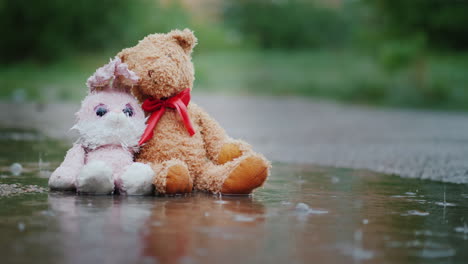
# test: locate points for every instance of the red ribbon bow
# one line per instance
(157, 107)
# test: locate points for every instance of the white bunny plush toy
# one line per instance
(110, 124)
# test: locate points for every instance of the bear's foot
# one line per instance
(229, 151)
(178, 180)
(249, 174)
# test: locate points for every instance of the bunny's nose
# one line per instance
(116, 118)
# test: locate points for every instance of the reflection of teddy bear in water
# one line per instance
(185, 147)
(205, 230)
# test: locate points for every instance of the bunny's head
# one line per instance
(110, 115)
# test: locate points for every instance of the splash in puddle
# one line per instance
(415, 212)
(243, 218)
(16, 169)
(305, 209)
(445, 204)
(462, 229)
(357, 253)
(221, 202)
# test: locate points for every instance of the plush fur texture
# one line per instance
(163, 63)
(137, 179)
(115, 127)
(95, 177)
(110, 122)
(114, 75)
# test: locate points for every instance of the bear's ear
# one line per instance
(123, 55)
(186, 39)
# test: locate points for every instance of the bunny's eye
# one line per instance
(100, 110)
(128, 110)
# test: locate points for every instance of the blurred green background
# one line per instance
(396, 53)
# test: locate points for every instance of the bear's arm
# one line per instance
(212, 133)
(63, 178)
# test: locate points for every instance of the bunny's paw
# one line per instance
(62, 179)
(137, 179)
(95, 178)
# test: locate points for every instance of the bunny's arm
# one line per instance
(63, 178)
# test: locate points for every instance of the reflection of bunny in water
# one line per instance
(96, 229)
(110, 123)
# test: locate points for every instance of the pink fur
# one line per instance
(110, 122)
(114, 75)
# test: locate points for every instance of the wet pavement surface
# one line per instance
(304, 214)
(408, 143)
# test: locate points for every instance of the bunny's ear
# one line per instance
(125, 78)
(114, 75)
(102, 78)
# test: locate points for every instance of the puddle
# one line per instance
(304, 214)
(415, 212)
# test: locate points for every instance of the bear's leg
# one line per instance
(172, 177)
(239, 176)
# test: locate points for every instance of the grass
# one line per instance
(281, 73)
(338, 75)
(441, 82)
(62, 81)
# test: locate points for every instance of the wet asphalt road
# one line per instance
(409, 143)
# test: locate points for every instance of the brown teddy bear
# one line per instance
(186, 148)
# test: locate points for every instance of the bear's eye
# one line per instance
(128, 110)
(100, 110)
